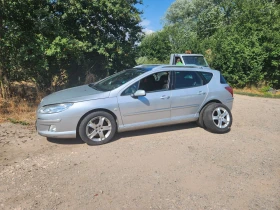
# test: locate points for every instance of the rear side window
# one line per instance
(222, 79)
(207, 76)
(187, 79)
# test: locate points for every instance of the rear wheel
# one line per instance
(217, 118)
(97, 128)
(199, 121)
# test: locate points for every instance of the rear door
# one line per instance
(187, 95)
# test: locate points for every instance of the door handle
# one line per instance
(165, 97)
(201, 93)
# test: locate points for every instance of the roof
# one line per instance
(148, 67)
(189, 68)
(184, 54)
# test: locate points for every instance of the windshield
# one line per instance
(195, 60)
(116, 80)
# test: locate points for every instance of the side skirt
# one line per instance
(157, 123)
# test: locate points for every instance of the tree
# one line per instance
(247, 50)
(47, 39)
(241, 37)
(156, 46)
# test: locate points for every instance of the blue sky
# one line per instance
(153, 12)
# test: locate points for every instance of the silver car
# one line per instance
(135, 99)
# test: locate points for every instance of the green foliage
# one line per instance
(265, 95)
(42, 40)
(246, 49)
(238, 37)
(155, 46)
(146, 60)
(14, 121)
(265, 89)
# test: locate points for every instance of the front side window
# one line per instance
(187, 79)
(154, 82)
(131, 89)
(116, 80)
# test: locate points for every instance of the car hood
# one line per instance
(76, 94)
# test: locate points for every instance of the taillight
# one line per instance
(229, 89)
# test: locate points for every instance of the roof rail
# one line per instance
(183, 66)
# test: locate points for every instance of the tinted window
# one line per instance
(187, 79)
(207, 76)
(222, 79)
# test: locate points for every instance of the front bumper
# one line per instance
(43, 129)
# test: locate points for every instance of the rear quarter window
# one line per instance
(222, 79)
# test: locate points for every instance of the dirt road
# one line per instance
(175, 167)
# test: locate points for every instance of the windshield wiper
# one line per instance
(92, 86)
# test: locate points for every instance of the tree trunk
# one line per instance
(2, 93)
(2, 77)
(4, 87)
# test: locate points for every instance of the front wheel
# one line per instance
(97, 128)
(217, 118)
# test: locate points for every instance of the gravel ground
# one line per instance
(174, 167)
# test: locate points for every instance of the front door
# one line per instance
(154, 108)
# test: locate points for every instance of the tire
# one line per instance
(199, 121)
(217, 118)
(97, 128)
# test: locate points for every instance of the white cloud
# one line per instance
(145, 23)
(146, 29)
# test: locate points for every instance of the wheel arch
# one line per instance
(95, 110)
(211, 101)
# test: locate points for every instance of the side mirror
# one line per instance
(138, 93)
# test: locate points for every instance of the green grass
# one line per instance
(264, 95)
(14, 121)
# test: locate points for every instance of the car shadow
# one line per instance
(66, 141)
(161, 129)
(142, 132)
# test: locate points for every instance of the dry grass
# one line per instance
(21, 106)
(17, 111)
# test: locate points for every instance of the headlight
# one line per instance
(55, 108)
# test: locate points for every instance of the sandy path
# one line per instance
(175, 167)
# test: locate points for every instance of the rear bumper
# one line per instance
(229, 103)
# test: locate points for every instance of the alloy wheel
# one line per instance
(221, 117)
(98, 128)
